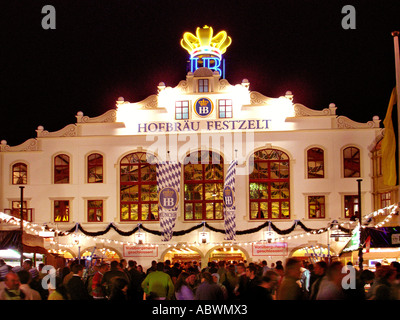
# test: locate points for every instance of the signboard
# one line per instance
(168, 198)
(227, 256)
(228, 197)
(203, 107)
(270, 249)
(204, 126)
(396, 238)
(140, 251)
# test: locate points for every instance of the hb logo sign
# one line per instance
(203, 107)
(228, 197)
(168, 198)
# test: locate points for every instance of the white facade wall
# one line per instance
(292, 129)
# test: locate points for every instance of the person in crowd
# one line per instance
(252, 279)
(4, 269)
(135, 291)
(183, 290)
(158, 283)
(381, 289)
(11, 289)
(141, 271)
(264, 266)
(222, 271)
(396, 282)
(331, 285)
(241, 287)
(123, 264)
(232, 281)
(289, 289)
(132, 264)
(367, 278)
(75, 286)
(152, 268)
(25, 277)
(114, 272)
(119, 290)
(98, 291)
(265, 289)
(208, 289)
(319, 272)
(68, 276)
(279, 269)
(305, 278)
(35, 282)
(216, 281)
(174, 272)
(59, 292)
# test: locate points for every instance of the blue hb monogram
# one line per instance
(212, 63)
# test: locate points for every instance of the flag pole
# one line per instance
(395, 35)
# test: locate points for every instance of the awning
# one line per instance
(11, 239)
(388, 237)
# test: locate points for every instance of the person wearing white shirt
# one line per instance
(25, 278)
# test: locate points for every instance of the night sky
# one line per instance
(101, 50)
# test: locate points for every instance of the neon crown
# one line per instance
(205, 43)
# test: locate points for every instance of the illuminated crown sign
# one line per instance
(205, 49)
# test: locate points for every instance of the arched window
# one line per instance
(95, 168)
(204, 184)
(269, 185)
(138, 187)
(351, 162)
(315, 163)
(19, 173)
(61, 168)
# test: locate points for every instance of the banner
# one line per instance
(229, 202)
(389, 145)
(168, 186)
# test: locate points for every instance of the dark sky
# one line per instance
(104, 49)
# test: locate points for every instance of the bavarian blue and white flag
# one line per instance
(229, 202)
(168, 187)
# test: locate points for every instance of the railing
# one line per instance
(27, 213)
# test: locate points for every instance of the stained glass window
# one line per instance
(269, 185)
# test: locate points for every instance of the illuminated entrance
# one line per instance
(313, 253)
(182, 255)
(227, 254)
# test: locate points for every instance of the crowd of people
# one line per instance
(125, 280)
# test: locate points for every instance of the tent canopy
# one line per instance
(11, 239)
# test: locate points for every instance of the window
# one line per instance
(138, 187)
(225, 108)
(181, 110)
(203, 85)
(19, 173)
(61, 210)
(351, 162)
(95, 168)
(351, 206)
(95, 210)
(204, 183)
(316, 207)
(61, 169)
(269, 185)
(315, 163)
(385, 200)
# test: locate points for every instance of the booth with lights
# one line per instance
(201, 171)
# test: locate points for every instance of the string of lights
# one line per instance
(280, 235)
